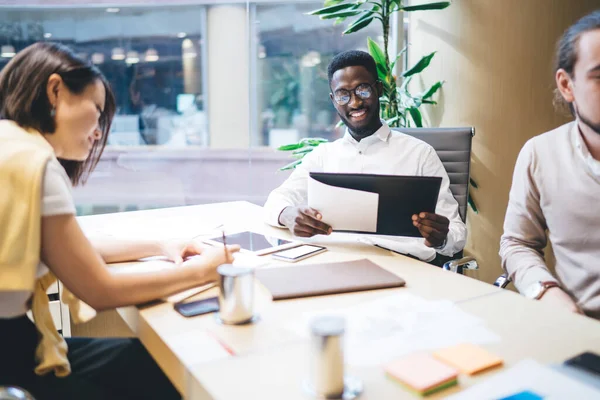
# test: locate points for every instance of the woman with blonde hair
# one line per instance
(54, 105)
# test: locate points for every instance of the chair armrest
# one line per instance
(502, 281)
(457, 266)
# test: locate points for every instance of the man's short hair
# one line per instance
(352, 58)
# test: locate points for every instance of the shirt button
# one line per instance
(360, 152)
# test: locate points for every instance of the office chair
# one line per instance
(453, 147)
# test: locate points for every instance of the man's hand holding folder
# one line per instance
(433, 227)
(304, 221)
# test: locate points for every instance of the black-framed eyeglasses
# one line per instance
(362, 91)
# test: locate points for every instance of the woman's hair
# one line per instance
(24, 98)
(566, 51)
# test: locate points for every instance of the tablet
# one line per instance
(298, 253)
(253, 242)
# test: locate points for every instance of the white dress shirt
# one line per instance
(386, 152)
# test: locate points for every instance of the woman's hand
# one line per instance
(211, 258)
(179, 250)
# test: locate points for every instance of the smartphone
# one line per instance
(588, 361)
(198, 307)
(298, 253)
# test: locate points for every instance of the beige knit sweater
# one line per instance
(556, 194)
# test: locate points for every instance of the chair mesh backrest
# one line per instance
(453, 147)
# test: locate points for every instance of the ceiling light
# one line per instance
(118, 54)
(262, 51)
(151, 55)
(132, 57)
(47, 35)
(113, 10)
(181, 35)
(7, 51)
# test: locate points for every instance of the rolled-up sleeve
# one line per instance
(522, 244)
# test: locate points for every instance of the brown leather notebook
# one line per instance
(322, 279)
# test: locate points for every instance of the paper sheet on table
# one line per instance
(381, 330)
(344, 209)
(404, 245)
(532, 376)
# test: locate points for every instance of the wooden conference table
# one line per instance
(270, 361)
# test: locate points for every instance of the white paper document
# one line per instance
(344, 209)
(529, 375)
(404, 245)
(381, 330)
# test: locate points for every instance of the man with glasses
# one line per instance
(369, 146)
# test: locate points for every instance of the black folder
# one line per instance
(400, 197)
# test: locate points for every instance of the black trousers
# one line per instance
(100, 368)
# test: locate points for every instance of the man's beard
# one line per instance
(593, 126)
(364, 131)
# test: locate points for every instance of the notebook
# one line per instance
(321, 279)
(468, 358)
(422, 374)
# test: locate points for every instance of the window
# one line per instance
(151, 56)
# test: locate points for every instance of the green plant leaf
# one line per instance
(393, 65)
(472, 205)
(291, 165)
(339, 124)
(329, 3)
(405, 83)
(379, 57)
(289, 147)
(440, 5)
(420, 66)
(429, 102)
(415, 114)
(359, 24)
(338, 21)
(473, 183)
(332, 9)
(310, 139)
(343, 14)
(393, 121)
(303, 151)
(431, 91)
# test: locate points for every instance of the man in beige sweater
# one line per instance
(556, 188)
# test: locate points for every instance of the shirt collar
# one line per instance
(583, 151)
(382, 134)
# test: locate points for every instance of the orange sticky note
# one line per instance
(421, 373)
(468, 358)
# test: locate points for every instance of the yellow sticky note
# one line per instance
(468, 358)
